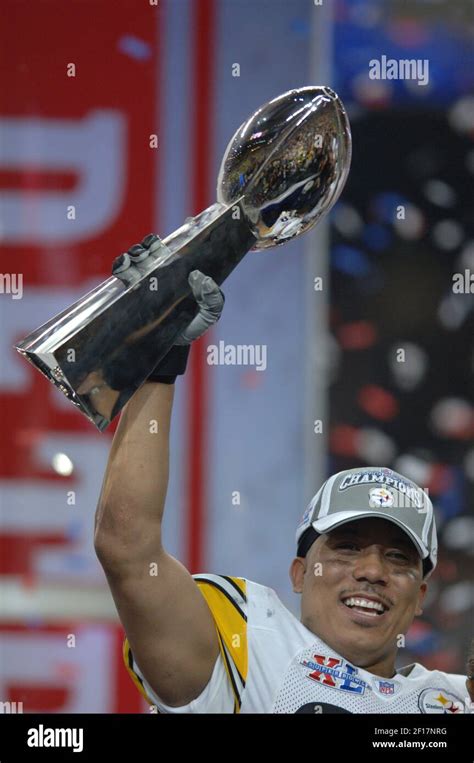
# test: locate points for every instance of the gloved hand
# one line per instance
(137, 261)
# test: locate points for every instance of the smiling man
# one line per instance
(367, 544)
(362, 585)
(208, 643)
(365, 550)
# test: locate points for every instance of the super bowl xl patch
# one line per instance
(334, 673)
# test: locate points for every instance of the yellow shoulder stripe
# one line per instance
(127, 658)
(230, 619)
(226, 597)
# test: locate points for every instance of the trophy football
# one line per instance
(281, 172)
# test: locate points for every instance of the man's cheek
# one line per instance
(324, 589)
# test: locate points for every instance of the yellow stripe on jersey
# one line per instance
(128, 660)
(230, 675)
(231, 622)
(226, 597)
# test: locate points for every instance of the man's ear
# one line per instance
(297, 571)
(421, 598)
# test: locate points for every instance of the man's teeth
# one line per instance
(365, 603)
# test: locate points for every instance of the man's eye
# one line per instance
(348, 545)
(399, 556)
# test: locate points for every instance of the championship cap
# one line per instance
(371, 491)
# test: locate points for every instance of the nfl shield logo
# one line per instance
(386, 687)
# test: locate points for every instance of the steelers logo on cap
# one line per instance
(380, 497)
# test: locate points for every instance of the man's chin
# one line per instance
(364, 654)
(358, 643)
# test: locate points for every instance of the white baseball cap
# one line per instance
(372, 491)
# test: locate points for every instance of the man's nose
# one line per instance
(371, 565)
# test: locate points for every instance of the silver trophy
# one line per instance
(282, 171)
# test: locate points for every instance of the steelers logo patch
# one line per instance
(380, 497)
(440, 701)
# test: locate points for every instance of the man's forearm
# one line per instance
(131, 503)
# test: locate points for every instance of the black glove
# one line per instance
(132, 265)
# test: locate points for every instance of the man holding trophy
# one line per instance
(366, 544)
(206, 644)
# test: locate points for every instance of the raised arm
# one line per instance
(169, 626)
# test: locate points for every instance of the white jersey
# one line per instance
(270, 662)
